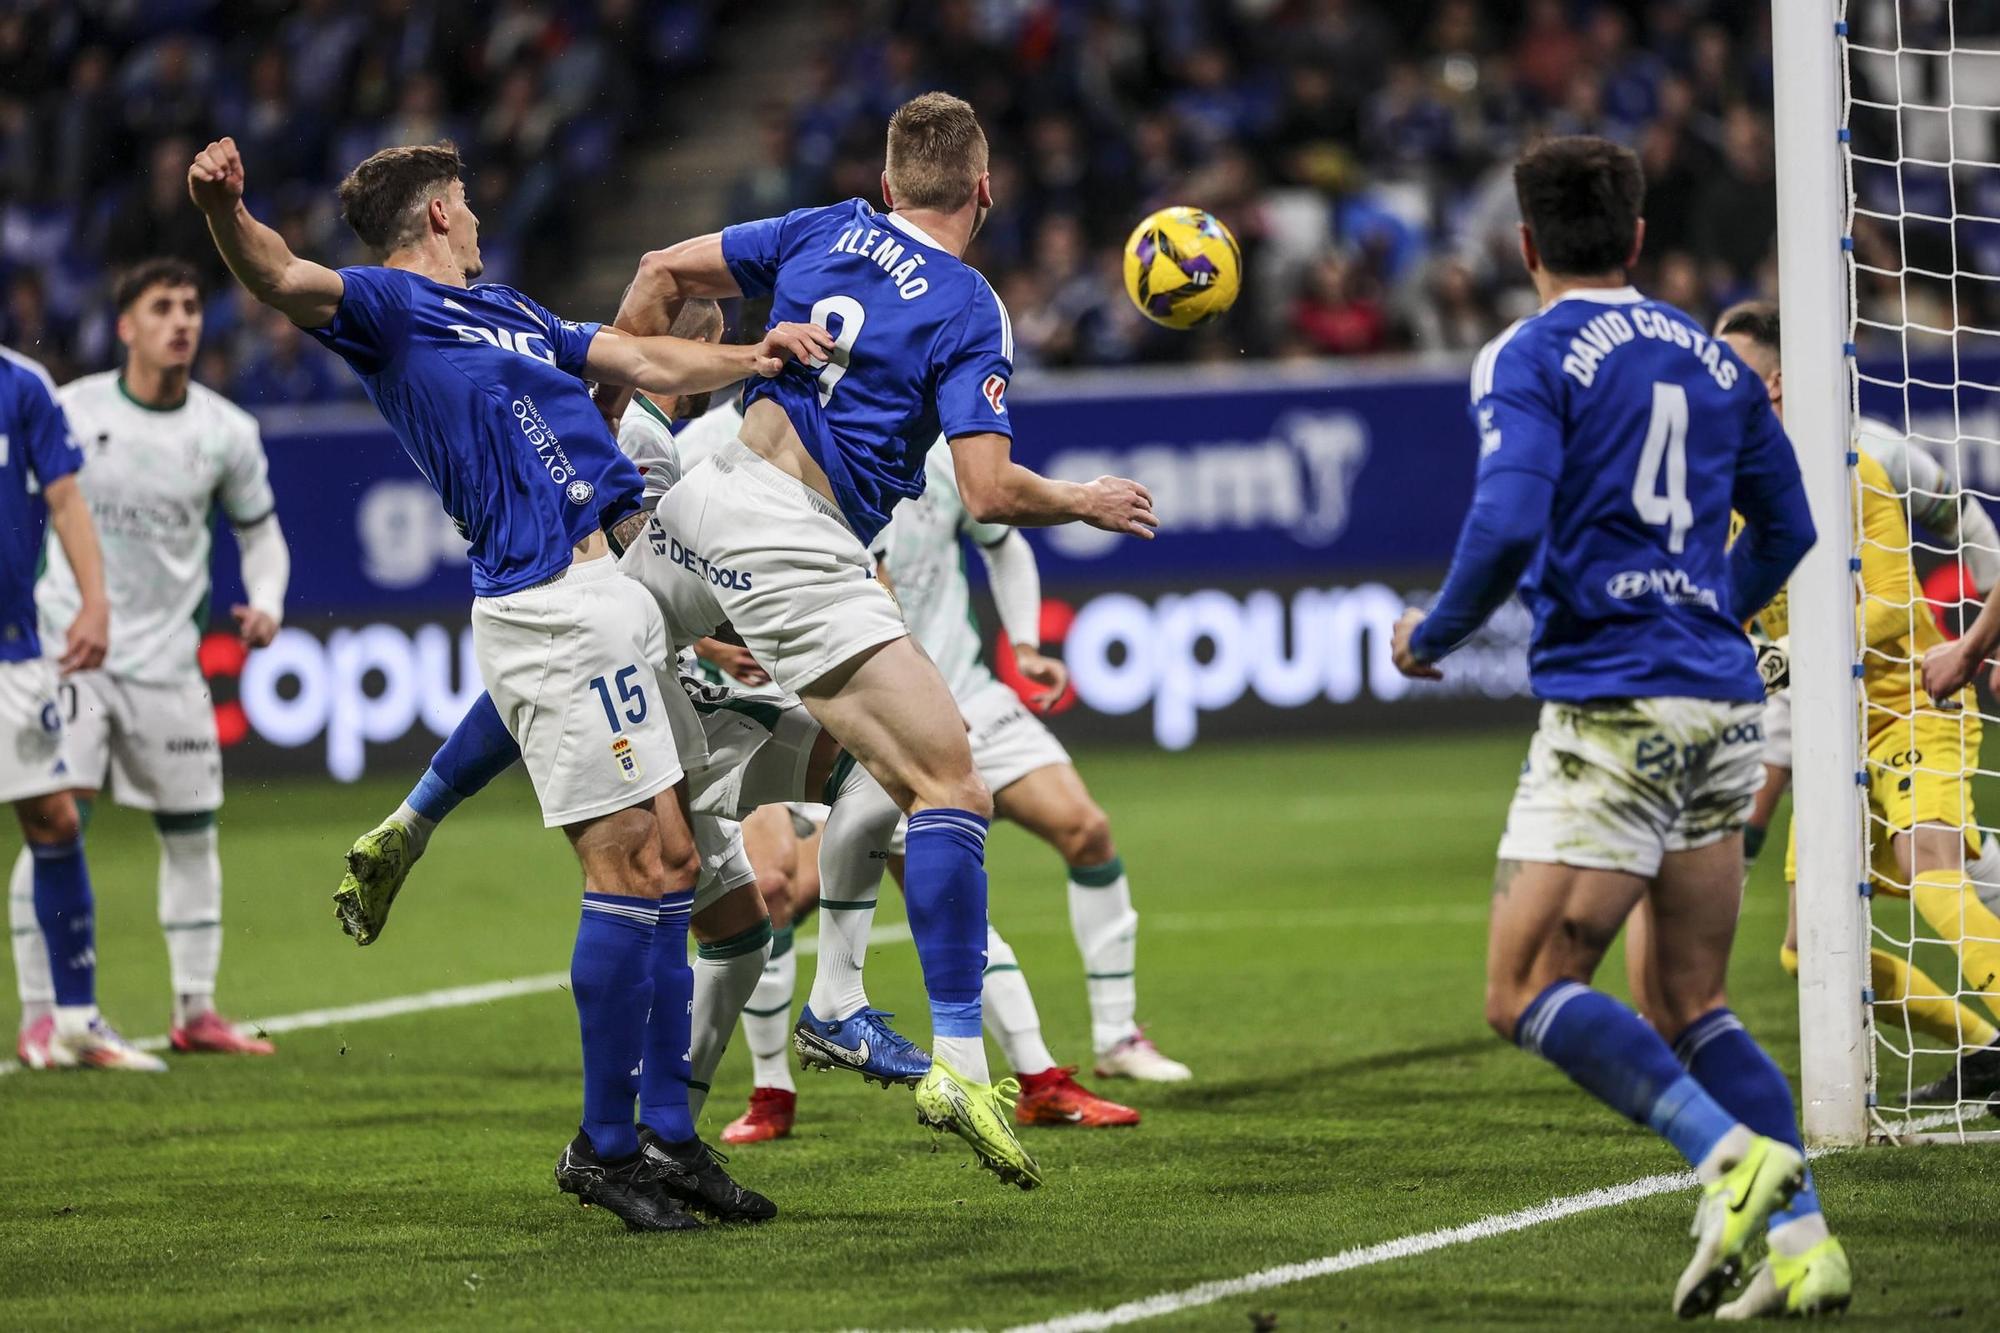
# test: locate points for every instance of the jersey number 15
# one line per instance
(1665, 451)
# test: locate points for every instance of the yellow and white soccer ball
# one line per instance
(1182, 267)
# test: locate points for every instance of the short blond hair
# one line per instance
(937, 153)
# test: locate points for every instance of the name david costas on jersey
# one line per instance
(1607, 332)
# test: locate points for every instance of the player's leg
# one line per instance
(779, 563)
(166, 760)
(772, 845)
(1934, 860)
(1050, 1094)
(1777, 759)
(1052, 802)
(568, 666)
(478, 750)
(838, 1028)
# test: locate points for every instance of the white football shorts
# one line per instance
(573, 666)
(154, 742)
(33, 758)
(1616, 784)
(1008, 740)
(759, 750)
(1778, 729)
(739, 541)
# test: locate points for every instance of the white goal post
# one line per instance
(1827, 804)
(1886, 119)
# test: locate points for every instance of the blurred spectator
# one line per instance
(102, 103)
(1735, 218)
(1340, 312)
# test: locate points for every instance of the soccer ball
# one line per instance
(1182, 267)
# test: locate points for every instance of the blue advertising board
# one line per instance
(1301, 510)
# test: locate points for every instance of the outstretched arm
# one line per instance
(996, 489)
(665, 280)
(678, 365)
(306, 293)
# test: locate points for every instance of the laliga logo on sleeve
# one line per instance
(995, 390)
(579, 492)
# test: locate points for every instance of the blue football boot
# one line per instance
(864, 1043)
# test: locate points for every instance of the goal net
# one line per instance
(1889, 148)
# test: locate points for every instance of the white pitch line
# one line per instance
(1403, 1247)
(451, 997)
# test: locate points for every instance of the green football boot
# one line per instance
(982, 1115)
(377, 864)
(1816, 1282)
(1731, 1214)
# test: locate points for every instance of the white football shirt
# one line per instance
(155, 479)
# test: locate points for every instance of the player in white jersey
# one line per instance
(162, 455)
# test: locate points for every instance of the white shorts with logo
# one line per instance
(758, 750)
(573, 665)
(33, 759)
(1778, 729)
(1616, 784)
(1008, 741)
(155, 743)
(739, 541)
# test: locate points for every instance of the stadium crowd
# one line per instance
(104, 102)
(1359, 149)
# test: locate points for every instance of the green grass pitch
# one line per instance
(1312, 943)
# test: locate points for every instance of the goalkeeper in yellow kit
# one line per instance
(1918, 755)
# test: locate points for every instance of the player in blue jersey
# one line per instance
(484, 389)
(1615, 437)
(771, 534)
(39, 459)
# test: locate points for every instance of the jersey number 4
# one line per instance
(852, 317)
(1665, 451)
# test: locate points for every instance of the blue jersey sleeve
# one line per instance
(569, 339)
(751, 250)
(52, 451)
(1777, 520)
(973, 369)
(372, 321)
(1519, 420)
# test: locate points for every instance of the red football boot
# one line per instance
(1054, 1097)
(769, 1117)
(211, 1033)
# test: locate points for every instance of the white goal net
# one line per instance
(1894, 265)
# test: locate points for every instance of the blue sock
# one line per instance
(1736, 1071)
(944, 895)
(66, 912)
(610, 975)
(663, 1083)
(478, 750)
(1616, 1057)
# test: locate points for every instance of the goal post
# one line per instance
(1828, 806)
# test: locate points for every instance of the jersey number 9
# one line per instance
(852, 317)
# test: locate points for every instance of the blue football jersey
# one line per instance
(922, 346)
(481, 386)
(1651, 432)
(36, 448)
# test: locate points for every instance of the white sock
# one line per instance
(851, 858)
(191, 916)
(767, 1018)
(1726, 1153)
(32, 978)
(965, 1054)
(725, 976)
(1107, 935)
(1792, 1239)
(421, 827)
(1010, 1009)
(74, 1020)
